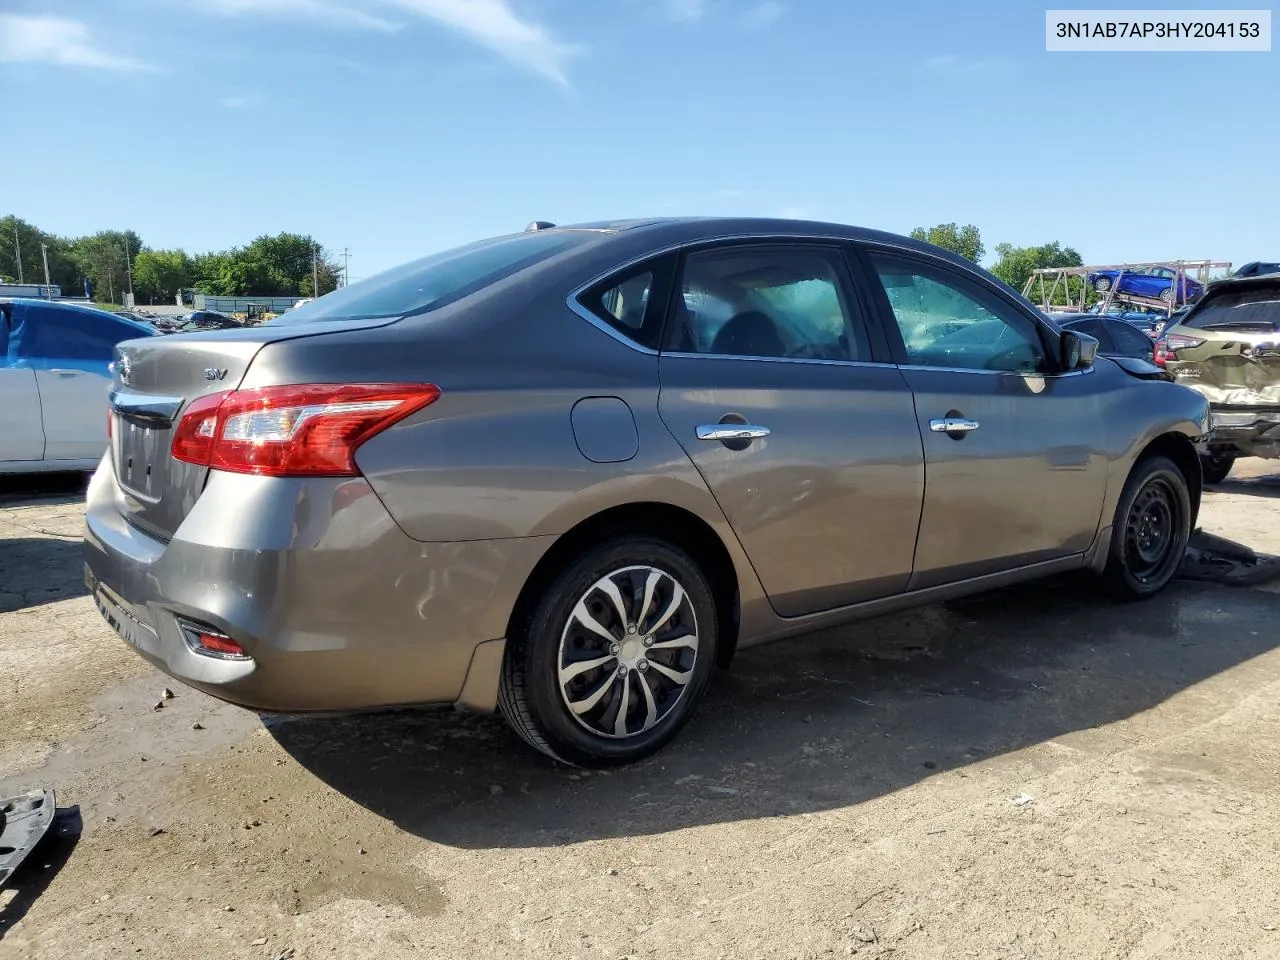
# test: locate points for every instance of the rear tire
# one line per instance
(1150, 532)
(1214, 469)
(613, 658)
(1102, 284)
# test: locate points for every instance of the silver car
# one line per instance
(567, 472)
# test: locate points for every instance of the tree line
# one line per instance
(1014, 265)
(281, 265)
(270, 266)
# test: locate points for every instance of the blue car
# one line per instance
(54, 383)
(1154, 283)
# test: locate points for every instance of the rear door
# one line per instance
(1015, 458)
(21, 433)
(774, 385)
(70, 350)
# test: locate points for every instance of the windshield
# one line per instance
(1258, 309)
(435, 280)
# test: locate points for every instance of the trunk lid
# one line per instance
(154, 381)
(1237, 362)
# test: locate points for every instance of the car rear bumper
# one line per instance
(1259, 426)
(335, 606)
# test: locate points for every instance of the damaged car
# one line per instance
(565, 473)
(1228, 348)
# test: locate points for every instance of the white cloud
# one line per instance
(686, 11)
(494, 24)
(329, 13)
(490, 23)
(763, 14)
(58, 41)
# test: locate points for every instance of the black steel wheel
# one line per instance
(1214, 469)
(1151, 529)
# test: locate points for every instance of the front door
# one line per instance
(809, 445)
(1015, 465)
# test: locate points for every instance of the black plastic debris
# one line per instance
(24, 821)
(1218, 560)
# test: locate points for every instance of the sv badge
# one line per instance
(213, 373)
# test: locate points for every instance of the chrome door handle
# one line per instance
(66, 373)
(953, 425)
(731, 431)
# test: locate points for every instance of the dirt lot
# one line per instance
(845, 794)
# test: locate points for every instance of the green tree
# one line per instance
(966, 240)
(158, 275)
(1017, 264)
(101, 258)
(63, 270)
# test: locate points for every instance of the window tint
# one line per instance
(1129, 341)
(436, 280)
(766, 302)
(623, 304)
(1242, 309)
(945, 322)
(65, 333)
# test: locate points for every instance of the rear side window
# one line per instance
(435, 280)
(1239, 310)
(1129, 340)
(61, 333)
(633, 302)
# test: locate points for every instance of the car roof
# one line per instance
(658, 232)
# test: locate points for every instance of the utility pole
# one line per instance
(128, 272)
(17, 249)
(346, 266)
(48, 288)
(315, 273)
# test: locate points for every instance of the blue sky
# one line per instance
(398, 127)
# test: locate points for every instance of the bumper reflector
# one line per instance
(210, 642)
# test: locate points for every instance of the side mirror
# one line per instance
(1079, 350)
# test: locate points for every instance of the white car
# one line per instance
(54, 381)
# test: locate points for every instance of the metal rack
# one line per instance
(1053, 288)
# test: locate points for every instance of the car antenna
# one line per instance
(537, 225)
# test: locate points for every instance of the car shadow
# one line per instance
(819, 722)
(38, 566)
(41, 865)
(19, 489)
(1264, 486)
(39, 570)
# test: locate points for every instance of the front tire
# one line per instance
(1102, 284)
(1214, 469)
(1150, 532)
(614, 656)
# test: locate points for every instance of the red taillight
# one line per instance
(296, 430)
(1167, 347)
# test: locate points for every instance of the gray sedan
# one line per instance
(565, 473)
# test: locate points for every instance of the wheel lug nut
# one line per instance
(614, 648)
(642, 666)
(648, 641)
(631, 628)
(622, 671)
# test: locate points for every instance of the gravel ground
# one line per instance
(848, 793)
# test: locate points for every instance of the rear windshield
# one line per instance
(435, 280)
(1251, 309)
